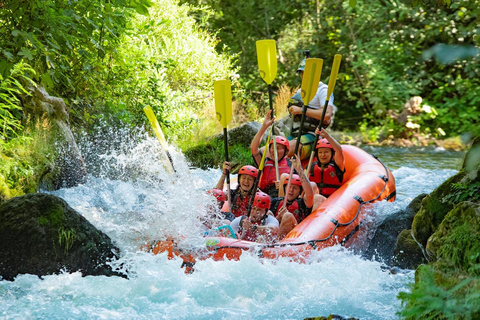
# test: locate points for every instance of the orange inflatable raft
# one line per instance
(336, 221)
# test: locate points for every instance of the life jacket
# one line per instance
(328, 177)
(249, 235)
(239, 205)
(297, 207)
(269, 175)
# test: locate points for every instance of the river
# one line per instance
(130, 196)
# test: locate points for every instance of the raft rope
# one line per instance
(313, 243)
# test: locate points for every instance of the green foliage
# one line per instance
(10, 88)
(387, 50)
(22, 162)
(212, 154)
(66, 238)
(431, 298)
(69, 44)
(464, 192)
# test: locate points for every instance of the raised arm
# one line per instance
(307, 187)
(255, 145)
(221, 181)
(339, 158)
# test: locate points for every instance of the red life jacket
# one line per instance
(239, 205)
(328, 177)
(269, 174)
(297, 207)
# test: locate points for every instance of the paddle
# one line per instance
(257, 179)
(310, 81)
(331, 85)
(158, 132)
(223, 109)
(267, 66)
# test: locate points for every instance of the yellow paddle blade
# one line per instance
(223, 101)
(155, 126)
(333, 75)
(267, 59)
(311, 79)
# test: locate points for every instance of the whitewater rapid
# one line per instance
(131, 196)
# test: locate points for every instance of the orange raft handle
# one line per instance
(313, 242)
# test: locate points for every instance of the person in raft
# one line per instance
(240, 197)
(268, 182)
(260, 225)
(327, 172)
(312, 117)
(297, 208)
(220, 217)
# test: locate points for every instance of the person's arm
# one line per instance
(313, 113)
(221, 181)
(270, 229)
(339, 158)
(255, 145)
(307, 188)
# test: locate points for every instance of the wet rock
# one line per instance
(382, 245)
(243, 134)
(41, 234)
(434, 208)
(408, 253)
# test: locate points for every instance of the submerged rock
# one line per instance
(41, 234)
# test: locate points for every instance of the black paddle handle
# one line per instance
(302, 121)
(320, 125)
(225, 142)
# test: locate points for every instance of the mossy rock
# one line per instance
(441, 292)
(407, 253)
(382, 245)
(41, 234)
(457, 239)
(433, 209)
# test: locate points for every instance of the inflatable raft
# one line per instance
(336, 221)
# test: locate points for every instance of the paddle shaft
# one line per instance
(257, 179)
(297, 145)
(312, 153)
(270, 100)
(225, 143)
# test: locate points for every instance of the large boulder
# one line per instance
(382, 246)
(41, 234)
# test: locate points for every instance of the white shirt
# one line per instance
(271, 222)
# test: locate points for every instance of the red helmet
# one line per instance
(323, 143)
(218, 194)
(262, 200)
(249, 171)
(283, 141)
(295, 180)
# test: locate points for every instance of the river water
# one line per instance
(130, 195)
